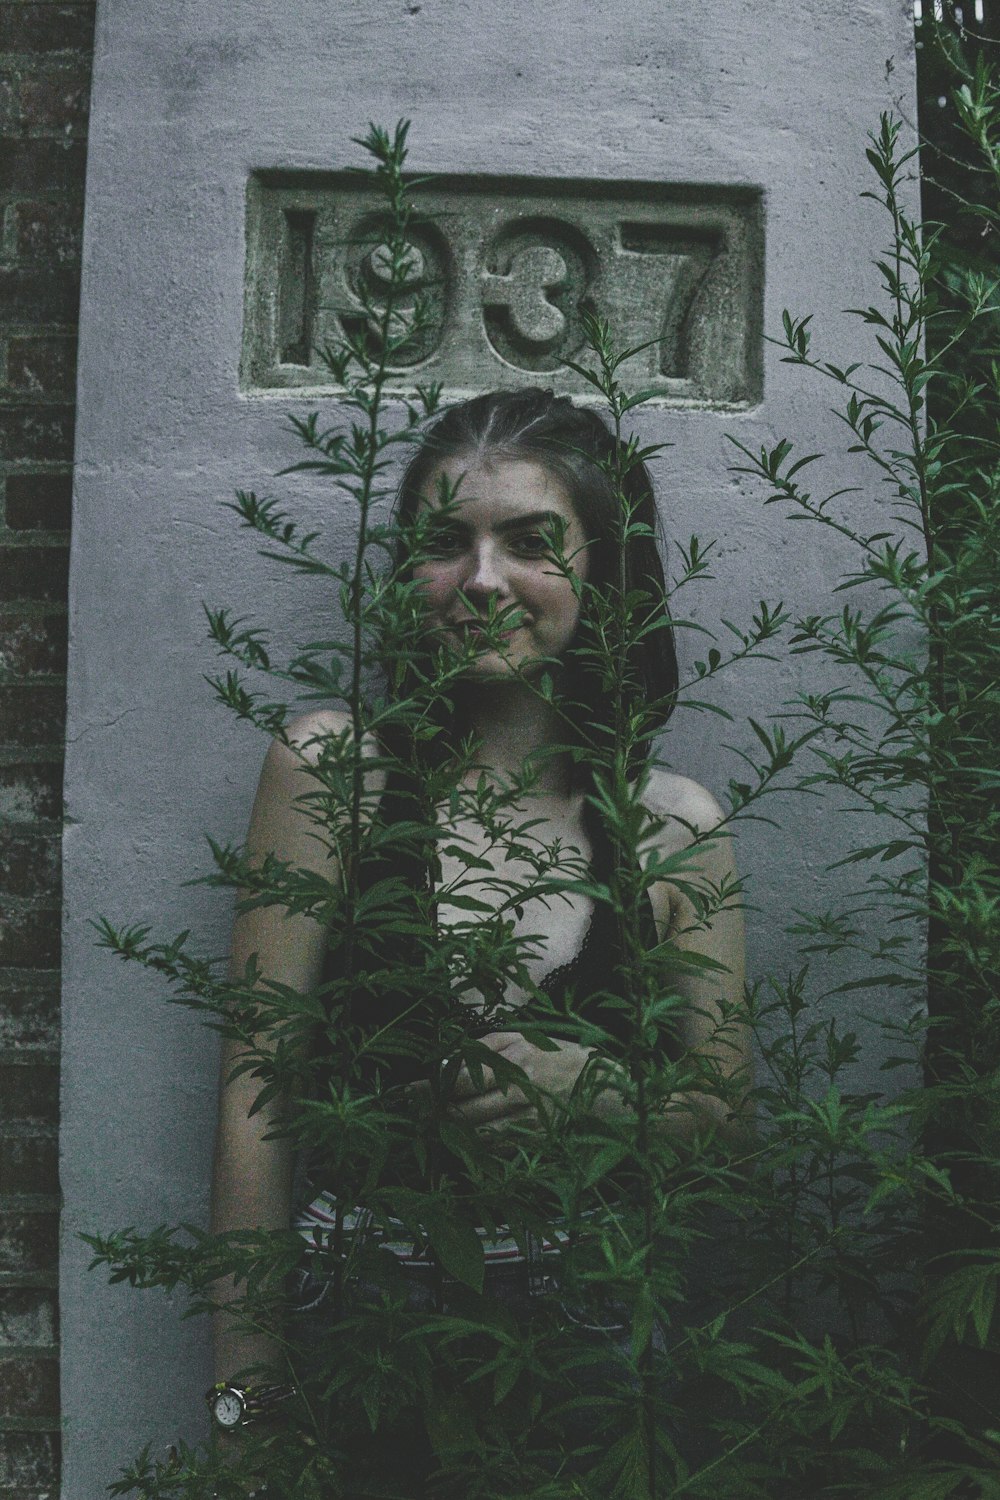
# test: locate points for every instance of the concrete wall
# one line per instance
(189, 100)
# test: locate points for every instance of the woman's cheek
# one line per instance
(437, 588)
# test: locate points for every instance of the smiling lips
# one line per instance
(481, 628)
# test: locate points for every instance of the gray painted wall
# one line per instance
(190, 97)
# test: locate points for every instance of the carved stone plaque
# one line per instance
(507, 266)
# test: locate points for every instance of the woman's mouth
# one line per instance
(480, 630)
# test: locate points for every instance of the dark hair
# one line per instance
(576, 446)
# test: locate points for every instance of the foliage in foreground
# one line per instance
(798, 1311)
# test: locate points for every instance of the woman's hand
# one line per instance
(499, 1103)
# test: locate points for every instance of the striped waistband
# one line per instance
(316, 1221)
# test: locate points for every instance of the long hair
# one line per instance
(577, 448)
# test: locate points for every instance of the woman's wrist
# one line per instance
(233, 1404)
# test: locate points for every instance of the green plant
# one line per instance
(796, 1364)
(913, 643)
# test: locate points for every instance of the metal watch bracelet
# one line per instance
(233, 1406)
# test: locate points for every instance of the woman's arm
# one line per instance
(711, 1025)
(252, 1179)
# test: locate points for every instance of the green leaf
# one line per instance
(456, 1245)
(450, 1425)
(642, 1320)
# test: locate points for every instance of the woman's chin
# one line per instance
(490, 666)
(495, 670)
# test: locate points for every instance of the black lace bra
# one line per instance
(588, 986)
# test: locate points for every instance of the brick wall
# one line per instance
(45, 57)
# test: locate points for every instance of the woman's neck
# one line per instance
(513, 727)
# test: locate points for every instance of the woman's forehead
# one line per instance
(497, 481)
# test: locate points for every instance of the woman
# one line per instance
(520, 543)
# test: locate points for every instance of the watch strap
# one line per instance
(256, 1400)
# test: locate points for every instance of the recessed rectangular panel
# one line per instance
(507, 267)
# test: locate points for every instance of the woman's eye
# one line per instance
(442, 541)
(533, 544)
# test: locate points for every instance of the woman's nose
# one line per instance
(485, 575)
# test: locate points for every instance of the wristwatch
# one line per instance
(235, 1406)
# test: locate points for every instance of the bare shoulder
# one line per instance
(688, 822)
(688, 807)
(301, 746)
(292, 812)
(293, 765)
(285, 774)
(307, 733)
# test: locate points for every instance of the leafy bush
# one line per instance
(798, 1306)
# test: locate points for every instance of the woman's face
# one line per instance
(492, 556)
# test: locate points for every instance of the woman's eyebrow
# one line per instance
(550, 518)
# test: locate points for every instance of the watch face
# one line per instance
(228, 1408)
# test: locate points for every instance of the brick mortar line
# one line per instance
(75, 135)
(46, 903)
(37, 679)
(32, 133)
(31, 828)
(44, 64)
(40, 680)
(50, 537)
(37, 333)
(12, 399)
(31, 1424)
(29, 755)
(14, 540)
(15, 609)
(77, 49)
(49, 754)
(40, 58)
(26, 684)
(25, 59)
(18, 400)
(71, 197)
(28, 758)
(44, 198)
(47, 197)
(37, 468)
